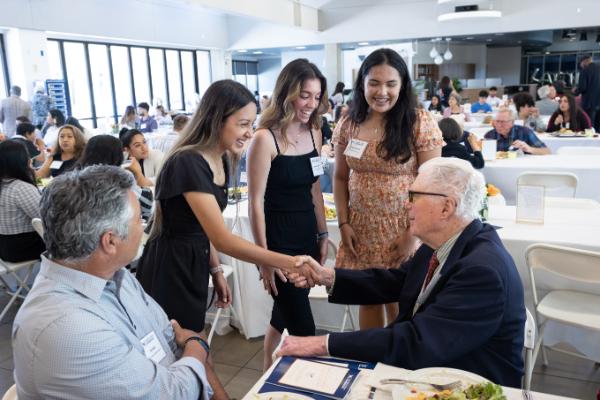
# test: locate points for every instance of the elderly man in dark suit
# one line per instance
(460, 295)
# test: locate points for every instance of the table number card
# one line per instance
(488, 149)
(530, 204)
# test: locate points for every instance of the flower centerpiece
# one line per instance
(491, 190)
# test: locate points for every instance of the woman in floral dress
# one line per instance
(379, 148)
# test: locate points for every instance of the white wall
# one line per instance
(268, 71)
(505, 63)
(165, 22)
(27, 58)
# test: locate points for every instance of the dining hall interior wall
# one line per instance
(462, 54)
(504, 63)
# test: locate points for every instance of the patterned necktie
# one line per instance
(433, 264)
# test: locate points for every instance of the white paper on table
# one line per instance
(314, 376)
(488, 149)
(530, 203)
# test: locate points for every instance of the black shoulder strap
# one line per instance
(313, 139)
(275, 140)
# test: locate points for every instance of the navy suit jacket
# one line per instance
(473, 319)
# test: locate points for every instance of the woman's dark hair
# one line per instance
(126, 136)
(14, 162)
(75, 122)
(339, 88)
(445, 82)
(25, 128)
(450, 129)
(523, 99)
(400, 120)
(437, 107)
(102, 149)
(573, 113)
(58, 116)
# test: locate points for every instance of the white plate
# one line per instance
(434, 375)
(280, 396)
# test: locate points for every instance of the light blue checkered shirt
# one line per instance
(77, 336)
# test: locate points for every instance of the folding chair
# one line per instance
(555, 183)
(529, 344)
(9, 269)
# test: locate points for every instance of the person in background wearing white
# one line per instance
(492, 99)
(87, 330)
(54, 121)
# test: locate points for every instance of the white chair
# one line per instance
(529, 345)
(9, 269)
(555, 183)
(572, 279)
(578, 151)
(11, 393)
(320, 292)
(227, 271)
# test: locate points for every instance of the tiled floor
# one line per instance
(238, 363)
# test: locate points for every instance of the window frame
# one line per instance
(178, 91)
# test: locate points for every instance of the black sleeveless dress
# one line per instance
(174, 267)
(291, 228)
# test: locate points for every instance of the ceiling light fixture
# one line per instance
(257, 52)
(448, 54)
(300, 47)
(433, 53)
(444, 1)
(242, 51)
(470, 14)
(363, 43)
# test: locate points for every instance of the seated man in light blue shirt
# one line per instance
(87, 330)
(482, 106)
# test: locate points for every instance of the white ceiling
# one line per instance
(332, 4)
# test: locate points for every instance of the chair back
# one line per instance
(529, 345)
(558, 184)
(38, 226)
(578, 151)
(566, 268)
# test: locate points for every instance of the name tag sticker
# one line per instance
(56, 164)
(317, 166)
(142, 126)
(243, 177)
(152, 348)
(355, 148)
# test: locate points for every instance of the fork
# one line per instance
(436, 386)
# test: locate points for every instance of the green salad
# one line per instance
(481, 391)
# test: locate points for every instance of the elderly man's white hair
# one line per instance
(458, 179)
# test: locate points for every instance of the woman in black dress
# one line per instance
(191, 193)
(285, 201)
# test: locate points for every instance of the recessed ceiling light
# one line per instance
(444, 1)
(257, 52)
(470, 14)
(242, 51)
(363, 43)
(469, 38)
(547, 52)
(488, 40)
(300, 47)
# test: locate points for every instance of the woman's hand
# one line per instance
(559, 120)
(223, 290)
(349, 238)
(267, 274)
(474, 142)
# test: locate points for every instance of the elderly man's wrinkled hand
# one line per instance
(303, 346)
(311, 273)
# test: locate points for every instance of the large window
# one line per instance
(103, 79)
(246, 73)
(4, 81)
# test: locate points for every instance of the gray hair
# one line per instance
(15, 90)
(458, 179)
(78, 207)
(505, 110)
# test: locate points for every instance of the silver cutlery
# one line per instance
(436, 386)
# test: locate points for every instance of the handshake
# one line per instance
(310, 273)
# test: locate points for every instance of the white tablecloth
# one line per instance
(554, 142)
(504, 173)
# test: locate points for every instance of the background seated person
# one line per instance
(87, 329)
(436, 104)
(150, 161)
(460, 296)
(547, 103)
(146, 123)
(453, 136)
(455, 110)
(511, 136)
(108, 150)
(527, 112)
(36, 148)
(482, 106)
(492, 99)
(568, 116)
(64, 153)
(19, 204)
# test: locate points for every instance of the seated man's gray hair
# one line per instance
(458, 179)
(78, 207)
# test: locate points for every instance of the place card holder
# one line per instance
(530, 204)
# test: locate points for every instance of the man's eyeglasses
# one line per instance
(499, 121)
(412, 194)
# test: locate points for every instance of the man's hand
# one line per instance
(181, 335)
(519, 144)
(223, 290)
(313, 274)
(303, 346)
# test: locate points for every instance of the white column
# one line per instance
(220, 61)
(27, 57)
(332, 66)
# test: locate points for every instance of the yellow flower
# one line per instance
(492, 190)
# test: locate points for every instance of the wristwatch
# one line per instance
(198, 339)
